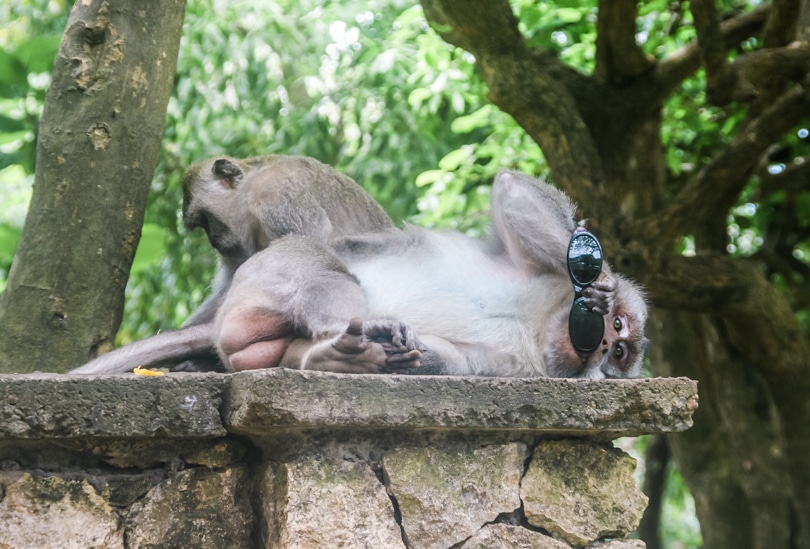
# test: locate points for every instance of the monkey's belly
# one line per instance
(474, 304)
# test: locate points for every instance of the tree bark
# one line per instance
(716, 318)
(99, 139)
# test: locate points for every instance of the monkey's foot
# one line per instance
(378, 348)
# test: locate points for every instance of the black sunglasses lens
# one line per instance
(584, 259)
(585, 328)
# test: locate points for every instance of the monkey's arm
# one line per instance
(207, 311)
(164, 347)
(533, 221)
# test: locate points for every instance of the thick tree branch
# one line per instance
(763, 74)
(712, 51)
(684, 62)
(718, 283)
(733, 288)
(781, 28)
(531, 85)
(707, 282)
(618, 57)
(478, 27)
(715, 188)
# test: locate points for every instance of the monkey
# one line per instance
(420, 301)
(243, 205)
(466, 307)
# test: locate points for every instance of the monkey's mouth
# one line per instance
(230, 251)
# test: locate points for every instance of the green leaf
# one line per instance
(8, 125)
(453, 159)
(9, 238)
(473, 121)
(569, 15)
(151, 249)
(38, 54)
(419, 95)
(11, 137)
(428, 177)
(13, 75)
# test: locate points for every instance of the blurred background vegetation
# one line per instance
(366, 87)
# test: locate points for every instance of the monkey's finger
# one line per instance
(412, 341)
(355, 327)
(381, 331)
(403, 357)
(402, 367)
(605, 283)
(403, 336)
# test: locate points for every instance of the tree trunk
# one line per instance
(99, 139)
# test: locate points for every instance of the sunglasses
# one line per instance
(585, 327)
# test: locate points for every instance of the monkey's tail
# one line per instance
(171, 346)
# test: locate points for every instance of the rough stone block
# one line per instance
(505, 536)
(52, 512)
(618, 544)
(195, 508)
(61, 406)
(580, 491)
(446, 495)
(327, 502)
(268, 402)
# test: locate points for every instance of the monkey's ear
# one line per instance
(227, 172)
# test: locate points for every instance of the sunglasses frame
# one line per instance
(581, 318)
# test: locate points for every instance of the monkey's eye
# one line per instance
(617, 324)
(620, 354)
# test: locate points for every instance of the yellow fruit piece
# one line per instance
(138, 371)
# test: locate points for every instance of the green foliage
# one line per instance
(564, 27)
(679, 525)
(29, 39)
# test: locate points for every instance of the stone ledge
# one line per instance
(269, 402)
(57, 406)
(262, 403)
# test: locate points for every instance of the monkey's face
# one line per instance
(621, 351)
(210, 202)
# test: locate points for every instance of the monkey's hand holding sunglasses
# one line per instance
(600, 296)
(594, 291)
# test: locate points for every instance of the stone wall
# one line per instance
(286, 459)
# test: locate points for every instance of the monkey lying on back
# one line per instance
(388, 300)
(495, 308)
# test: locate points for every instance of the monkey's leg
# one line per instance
(354, 350)
(299, 290)
(253, 338)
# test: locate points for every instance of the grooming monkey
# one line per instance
(485, 308)
(243, 205)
